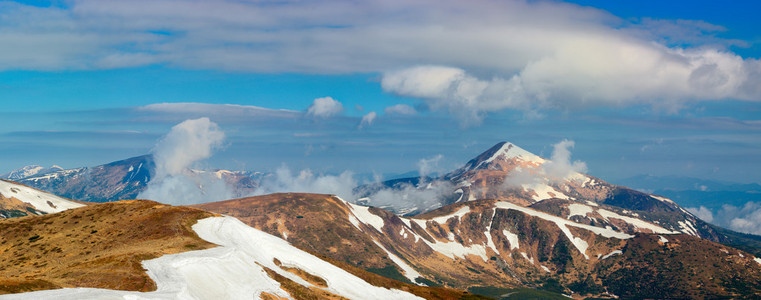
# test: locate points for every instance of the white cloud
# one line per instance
(560, 166)
(427, 166)
(367, 119)
(306, 181)
(745, 219)
(172, 181)
(702, 212)
(400, 109)
(324, 107)
(492, 55)
(556, 170)
(186, 143)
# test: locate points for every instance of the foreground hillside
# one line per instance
(490, 244)
(94, 246)
(143, 249)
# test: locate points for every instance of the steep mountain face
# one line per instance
(17, 200)
(506, 172)
(118, 180)
(580, 250)
(121, 180)
(28, 171)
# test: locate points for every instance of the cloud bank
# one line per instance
(745, 219)
(468, 58)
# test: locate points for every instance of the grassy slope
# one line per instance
(99, 246)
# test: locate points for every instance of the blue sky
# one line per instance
(642, 87)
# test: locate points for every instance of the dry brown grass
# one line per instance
(99, 246)
(268, 296)
(308, 277)
(298, 291)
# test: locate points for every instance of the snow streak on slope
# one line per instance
(409, 272)
(41, 201)
(233, 271)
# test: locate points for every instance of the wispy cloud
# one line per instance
(367, 119)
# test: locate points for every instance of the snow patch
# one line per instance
(688, 228)
(662, 239)
(758, 260)
(577, 209)
(612, 253)
(512, 238)
(455, 249)
(545, 269)
(530, 259)
(459, 213)
(577, 242)
(634, 221)
(41, 201)
(662, 199)
(364, 215)
(606, 232)
(543, 191)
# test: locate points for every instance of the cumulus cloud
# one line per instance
(324, 107)
(575, 77)
(400, 109)
(305, 181)
(560, 166)
(173, 181)
(367, 119)
(556, 170)
(187, 143)
(702, 212)
(745, 219)
(526, 54)
(408, 197)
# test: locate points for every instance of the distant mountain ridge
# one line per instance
(29, 171)
(121, 180)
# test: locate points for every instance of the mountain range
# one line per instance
(508, 224)
(118, 180)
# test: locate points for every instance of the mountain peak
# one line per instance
(499, 157)
(507, 150)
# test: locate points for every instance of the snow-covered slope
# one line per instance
(236, 270)
(41, 201)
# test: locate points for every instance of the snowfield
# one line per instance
(41, 201)
(233, 271)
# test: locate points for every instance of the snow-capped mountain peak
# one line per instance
(503, 156)
(33, 170)
(508, 151)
